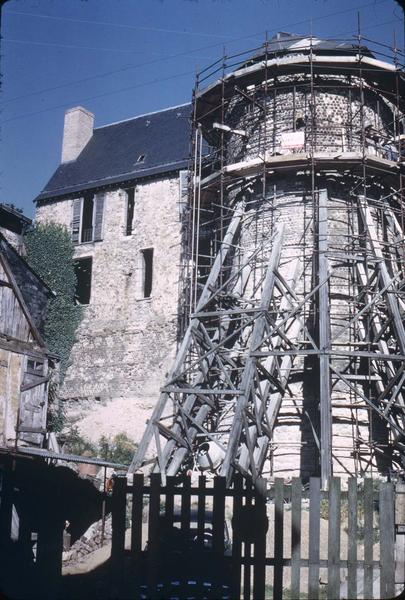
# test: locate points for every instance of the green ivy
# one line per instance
(49, 251)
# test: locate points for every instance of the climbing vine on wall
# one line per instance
(49, 251)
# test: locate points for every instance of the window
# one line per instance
(83, 275)
(147, 272)
(87, 221)
(130, 210)
(35, 366)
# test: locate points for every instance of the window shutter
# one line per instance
(77, 211)
(98, 217)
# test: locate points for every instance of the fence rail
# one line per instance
(284, 540)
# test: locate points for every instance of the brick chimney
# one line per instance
(77, 131)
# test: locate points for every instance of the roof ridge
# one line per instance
(154, 112)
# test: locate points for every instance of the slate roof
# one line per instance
(111, 155)
(12, 219)
(35, 292)
(283, 42)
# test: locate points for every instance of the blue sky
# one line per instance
(120, 58)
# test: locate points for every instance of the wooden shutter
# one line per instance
(98, 217)
(77, 213)
(183, 183)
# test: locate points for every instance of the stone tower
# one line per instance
(295, 351)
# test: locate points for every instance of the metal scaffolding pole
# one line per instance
(324, 340)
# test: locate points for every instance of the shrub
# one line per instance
(119, 449)
(49, 251)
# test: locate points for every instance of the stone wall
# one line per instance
(289, 202)
(333, 125)
(125, 343)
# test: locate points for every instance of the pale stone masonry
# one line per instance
(127, 338)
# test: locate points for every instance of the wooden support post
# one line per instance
(249, 370)
(324, 341)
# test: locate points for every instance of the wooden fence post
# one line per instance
(334, 539)
(387, 541)
(296, 500)
(259, 568)
(6, 508)
(352, 538)
(118, 515)
(218, 525)
(314, 530)
(368, 537)
(153, 534)
(236, 536)
(400, 536)
(50, 544)
(136, 527)
(278, 537)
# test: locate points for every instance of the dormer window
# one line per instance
(141, 158)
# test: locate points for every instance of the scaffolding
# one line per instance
(293, 279)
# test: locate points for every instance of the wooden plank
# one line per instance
(153, 534)
(296, 499)
(368, 538)
(387, 541)
(352, 539)
(236, 537)
(259, 568)
(334, 538)
(314, 531)
(278, 537)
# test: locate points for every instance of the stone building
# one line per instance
(120, 191)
